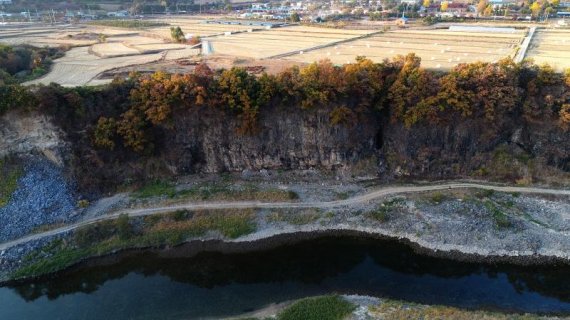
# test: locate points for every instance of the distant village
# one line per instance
(296, 11)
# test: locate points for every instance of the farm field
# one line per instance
(439, 49)
(196, 27)
(48, 36)
(552, 47)
(82, 64)
(268, 43)
(78, 67)
(286, 45)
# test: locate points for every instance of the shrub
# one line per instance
(177, 35)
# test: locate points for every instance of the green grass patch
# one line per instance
(123, 233)
(437, 197)
(156, 189)
(383, 212)
(227, 192)
(214, 192)
(330, 307)
(9, 176)
(342, 195)
(501, 219)
(129, 24)
(484, 193)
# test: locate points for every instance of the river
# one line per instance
(173, 284)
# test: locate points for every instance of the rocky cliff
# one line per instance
(514, 150)
(22, 134)
(287, 139)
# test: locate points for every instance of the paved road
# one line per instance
(256, 204)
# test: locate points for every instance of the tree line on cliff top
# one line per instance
(124, 113)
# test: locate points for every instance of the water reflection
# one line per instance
(343, 265)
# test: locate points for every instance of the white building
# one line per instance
(5, 2)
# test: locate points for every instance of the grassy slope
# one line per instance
(9, 176)
(151, 231)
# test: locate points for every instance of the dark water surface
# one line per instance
(148, 285)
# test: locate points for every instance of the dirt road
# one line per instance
(255, 204)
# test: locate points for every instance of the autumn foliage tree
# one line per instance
(411, 87)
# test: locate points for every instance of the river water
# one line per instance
(172, 285)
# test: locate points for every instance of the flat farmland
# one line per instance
(439, 49)
(47, 36)
(79, 67)
(199, 28)
(271, 42)
(116, 46)
(552, 47)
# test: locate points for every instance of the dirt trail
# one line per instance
(256, 205)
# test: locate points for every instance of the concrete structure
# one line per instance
(524, 47)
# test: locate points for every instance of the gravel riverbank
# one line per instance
(473, 225)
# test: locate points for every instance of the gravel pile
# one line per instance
(43, 197)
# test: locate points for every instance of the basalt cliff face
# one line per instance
(286, 139)
(513, 150)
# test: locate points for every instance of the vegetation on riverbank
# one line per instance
(9, 175)
(214, 192)
(332, 307)
(398, 310)
(336, 307)
(125, 233)
(295, 216)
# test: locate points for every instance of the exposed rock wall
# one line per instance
(287, 139)
(463, 147)
(292, 138)
(23, 134)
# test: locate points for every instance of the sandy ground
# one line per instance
(552, 47)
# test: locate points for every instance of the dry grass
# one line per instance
(399, 310)
(439, 49)
(124, 233)
(552, 47)
(267, 43)
(294, 216)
